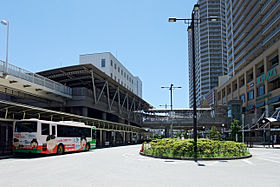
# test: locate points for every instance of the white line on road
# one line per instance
(248, 162)
(213, 163)
(273, 157)
(270, 160)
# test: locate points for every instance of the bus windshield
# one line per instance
(26, 126)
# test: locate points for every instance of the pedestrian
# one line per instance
(272, 141)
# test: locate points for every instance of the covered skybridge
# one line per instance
(108, 133)
(181, 118)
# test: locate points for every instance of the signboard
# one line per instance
(270, 74)
(251, 85)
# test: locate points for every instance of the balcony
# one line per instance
(271, 35)
(274, 20)
(236, 6)
(268, 14)
(268, 2)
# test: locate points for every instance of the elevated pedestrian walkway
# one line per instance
(23, 80)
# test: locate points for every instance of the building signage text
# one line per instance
(270, 74)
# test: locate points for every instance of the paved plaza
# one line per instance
(123, 166)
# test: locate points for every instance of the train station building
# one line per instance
(76, 93)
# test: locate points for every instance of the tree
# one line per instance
(214, 133)
(178, 134)
(185, 134)
(235, 127)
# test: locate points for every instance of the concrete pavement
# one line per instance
(123, 166)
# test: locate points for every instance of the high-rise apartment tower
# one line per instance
(210, 48)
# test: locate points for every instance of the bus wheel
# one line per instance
(87, 147)
(60, 149)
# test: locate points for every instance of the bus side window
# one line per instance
(53, 130)
(45, 129)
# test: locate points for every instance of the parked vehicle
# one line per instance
(48, 137)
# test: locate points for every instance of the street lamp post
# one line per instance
(192, 21)
(165, 105)
(223, 130)
(171, 88)
(4, 22)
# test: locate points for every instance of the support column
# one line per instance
(114, 138)
(266, 111)
(85, 111)
(101, 138)
(104, 138)
(166, 132)
(124, 138)
(171, 130)
(104, 116)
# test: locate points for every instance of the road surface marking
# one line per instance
(212, 164)
(270, 160)
(248, 162)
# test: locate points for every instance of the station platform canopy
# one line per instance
(10, 111)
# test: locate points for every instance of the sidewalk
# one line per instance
(259, 145)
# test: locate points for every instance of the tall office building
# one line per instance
(107, 63)
(210, 46)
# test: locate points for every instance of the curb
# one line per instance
(6, 156)
(190, 158)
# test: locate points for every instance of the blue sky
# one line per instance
(50, 34)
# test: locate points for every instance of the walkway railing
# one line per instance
(35, 78)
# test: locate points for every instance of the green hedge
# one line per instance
(184, 148)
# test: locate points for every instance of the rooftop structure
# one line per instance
(107, 63)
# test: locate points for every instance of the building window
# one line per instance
(124, 74)
(115, 66)
(250, 76)
(273, 61)
(111, 75)
(118, 69)
(102, 63)
(111, 62)
(234, 86)
(250, 95)
(219, 96)
(260, 69)
(241, 82)
(121, 72)
(228, 89)
(260, 90)
(242, 98)
(274, 84)
(223, 93)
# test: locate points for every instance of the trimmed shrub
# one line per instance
(206, 148)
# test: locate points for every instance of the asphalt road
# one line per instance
(123, 166)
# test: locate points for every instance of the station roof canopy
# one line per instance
(10, 111)
(83, 75)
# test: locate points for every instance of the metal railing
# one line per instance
(34, 78)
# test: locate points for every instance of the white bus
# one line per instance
(48, 137)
